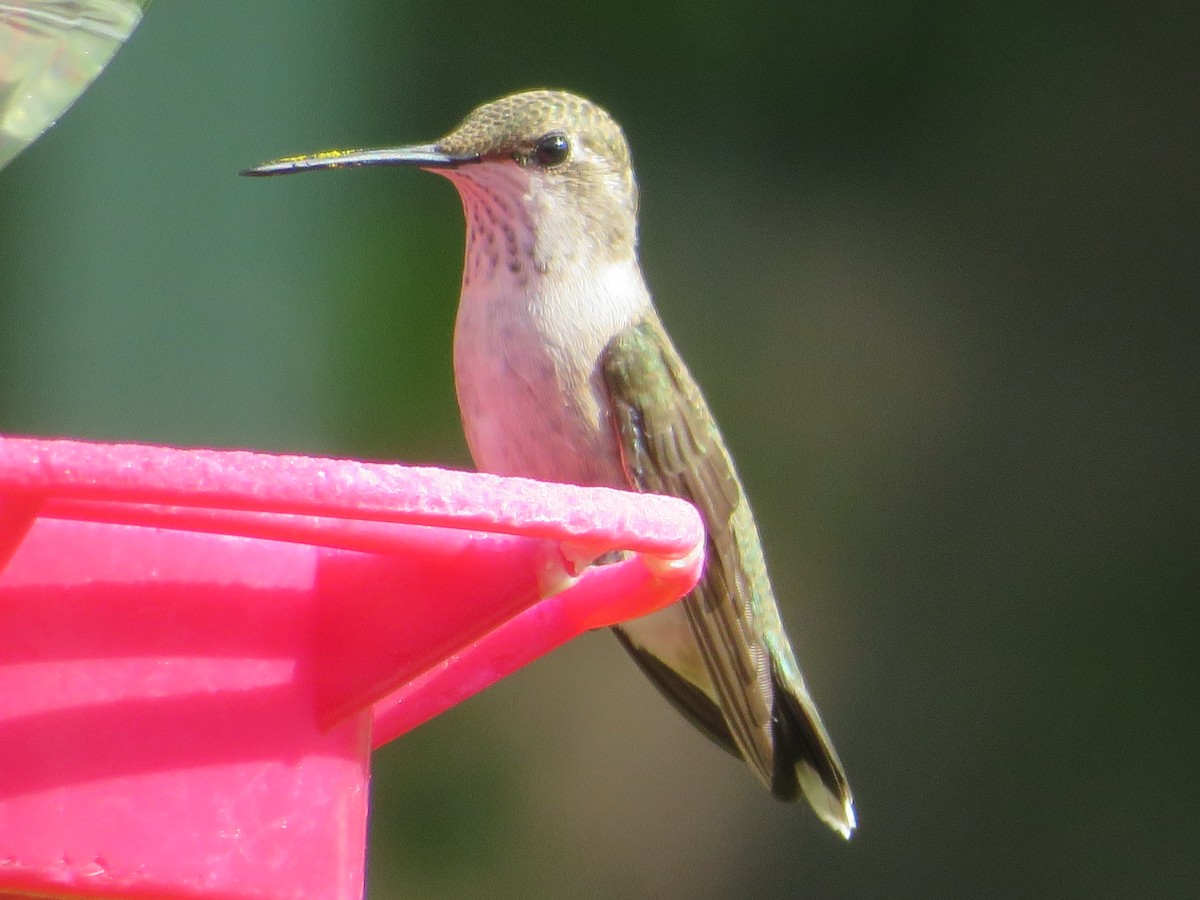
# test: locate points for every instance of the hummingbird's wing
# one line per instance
(762, 712)
(669, 445)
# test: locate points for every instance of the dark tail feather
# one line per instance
(806, 763)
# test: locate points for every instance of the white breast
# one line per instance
(526, 371)
(533, 322)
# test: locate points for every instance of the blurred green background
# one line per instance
(936, 266)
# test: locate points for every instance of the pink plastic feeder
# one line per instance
(198, 649)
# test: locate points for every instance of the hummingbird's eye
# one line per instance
(552, 149)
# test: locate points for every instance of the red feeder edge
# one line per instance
(200, 648)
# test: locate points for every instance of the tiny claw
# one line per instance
(557, 571)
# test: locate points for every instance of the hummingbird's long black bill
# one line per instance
(425, 156)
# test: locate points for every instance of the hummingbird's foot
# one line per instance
(559, 569)
(564, 563)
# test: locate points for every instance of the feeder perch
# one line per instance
(199, 649)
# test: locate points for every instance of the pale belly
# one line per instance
(533, 406)
(526, 414)
(529, 409)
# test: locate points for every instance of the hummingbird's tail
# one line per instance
(806, 763)
(803, 761)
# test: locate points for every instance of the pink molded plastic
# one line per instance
(198, 649)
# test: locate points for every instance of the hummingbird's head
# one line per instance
(545, 179)
(548, 171)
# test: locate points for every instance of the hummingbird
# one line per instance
(565, 373)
